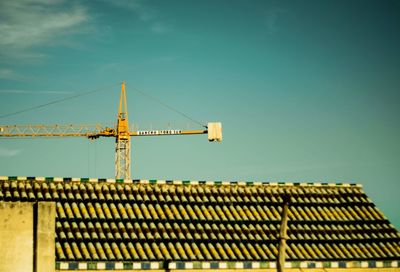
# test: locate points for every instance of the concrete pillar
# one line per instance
(45, 234)
(16, 236)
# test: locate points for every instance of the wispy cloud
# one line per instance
(272, 18)
(137, 6)
(8, 74)
(126, 4)
(33, 92)
(5, 152)
(160, 28)
(161, 59)
(29, 24)
(144, 13)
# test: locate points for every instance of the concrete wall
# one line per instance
(45, 242)
(27, 235)
(16, 236)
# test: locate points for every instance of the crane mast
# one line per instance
(121, 133)
(123, 140)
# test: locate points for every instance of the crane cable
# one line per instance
(168, 106)
(57, 101)
(102, 89)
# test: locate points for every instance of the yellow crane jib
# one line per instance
(121, 133)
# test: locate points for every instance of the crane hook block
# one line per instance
(215, 132)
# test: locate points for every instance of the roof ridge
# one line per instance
(183, 182)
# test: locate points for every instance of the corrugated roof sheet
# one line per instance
(177, 221)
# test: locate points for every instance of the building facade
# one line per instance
(107, 224)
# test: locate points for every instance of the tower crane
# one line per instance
(120, 132)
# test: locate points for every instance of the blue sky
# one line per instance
(306, 90)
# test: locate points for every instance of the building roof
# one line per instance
(130, 222)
